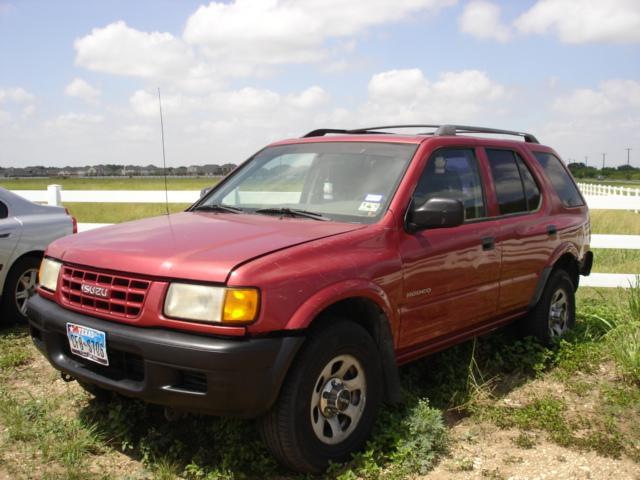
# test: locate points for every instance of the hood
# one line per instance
(200, 246)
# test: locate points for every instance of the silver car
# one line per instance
(25, 231)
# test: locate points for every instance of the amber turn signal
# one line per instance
(240, 305)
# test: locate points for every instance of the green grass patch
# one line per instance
(119, 183)
(120, 212)
(620, 222)
(631, 183)
(14, 349)
(61, 434)
(606, 260)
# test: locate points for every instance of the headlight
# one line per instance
(48, 275)
(211, 304)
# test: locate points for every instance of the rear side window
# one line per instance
(4, 211)
(560, 179)
(453, 173)
(531, 190)
(508, 182)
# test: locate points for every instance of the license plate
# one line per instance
(88, 343)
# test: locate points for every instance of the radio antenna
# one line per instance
(164, 157)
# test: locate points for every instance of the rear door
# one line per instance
(526, 239)
(450, 274)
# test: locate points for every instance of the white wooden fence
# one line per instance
(599, 189)
(598, 197)
(609, 197)
(603, 197)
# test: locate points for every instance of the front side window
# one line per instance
(342, 181)
(4, 211)
(560, 179)
(454, 174)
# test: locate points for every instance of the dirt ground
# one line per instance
(483, 451)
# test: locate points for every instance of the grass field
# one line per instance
(613, 183)
(499, 397)
(125, 183)
(119, 212)
(616, 261)
(618, 222)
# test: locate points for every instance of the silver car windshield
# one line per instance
(342, 181)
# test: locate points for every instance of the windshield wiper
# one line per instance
(218, 207)
(294, 212)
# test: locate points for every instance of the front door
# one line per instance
(451, 275)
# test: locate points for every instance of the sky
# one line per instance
(79, 80)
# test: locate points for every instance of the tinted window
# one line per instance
(453, 174)
(531, 190)
(560, 179)
(4, 212)
(506, 178)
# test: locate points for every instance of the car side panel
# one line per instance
(10, 230)
(37, 231)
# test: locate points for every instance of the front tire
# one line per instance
(329, 401)
(555, 313)
(20, 285)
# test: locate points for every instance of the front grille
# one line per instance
(119, 296)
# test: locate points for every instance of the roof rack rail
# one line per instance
(325, 131)
(440, 130)
(454, 129)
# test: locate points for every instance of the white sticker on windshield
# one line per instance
(369, 207)
(373, 197)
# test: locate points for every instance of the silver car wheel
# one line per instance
(558, 314)
(338, 399)
(25, 288)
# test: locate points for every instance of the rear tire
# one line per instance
(329, 400)
(19, 286)
(555, 312)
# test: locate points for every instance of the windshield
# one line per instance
(342, 181)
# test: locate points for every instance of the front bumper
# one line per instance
(228, 377)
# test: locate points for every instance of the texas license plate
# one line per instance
(88, 343)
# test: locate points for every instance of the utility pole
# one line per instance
(628, 155)
(603, 157)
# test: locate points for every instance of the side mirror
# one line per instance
(435, 213)
(204, 191)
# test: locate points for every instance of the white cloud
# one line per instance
(408, 96)
(241, 38)
(121, 50)
(77, 118)
(81, 89)
(16, 95)
(136, 133)
(312, 97)
(15, 99)
(481, 19)
(611, 21)
(259, 32)
(589, 121)
(612, 96)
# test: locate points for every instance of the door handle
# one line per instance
(552, 230)
(5, 235)
(488, 243)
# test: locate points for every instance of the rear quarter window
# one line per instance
(564, 185)
(4, 211)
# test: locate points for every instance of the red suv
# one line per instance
(294, 289)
